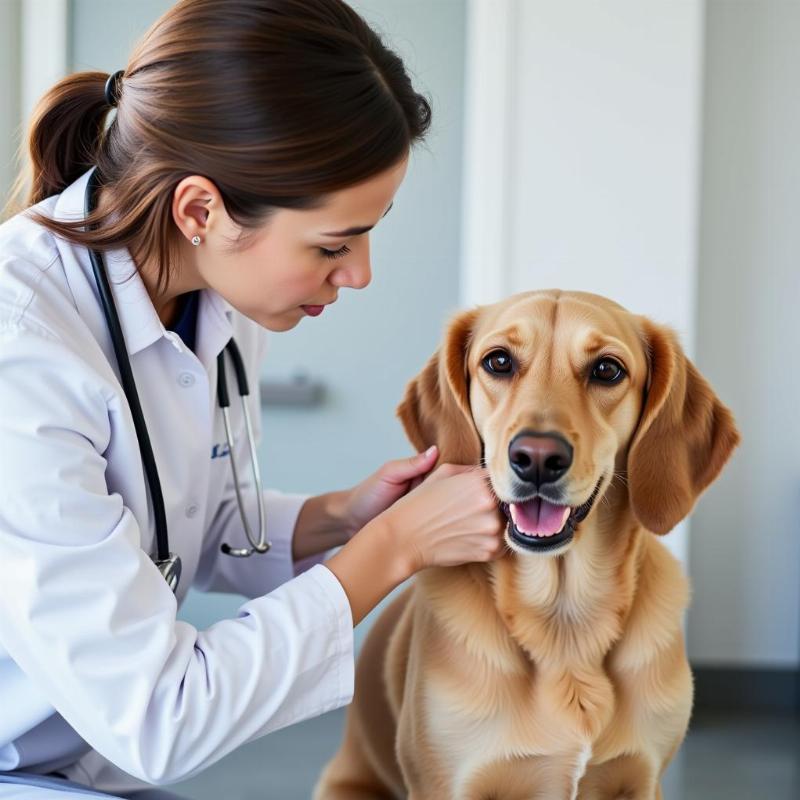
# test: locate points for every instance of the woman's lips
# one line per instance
(313, 311)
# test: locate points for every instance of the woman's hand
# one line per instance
(383, 488)
(332, 519)
(452, 518)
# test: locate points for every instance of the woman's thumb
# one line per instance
(407, 468)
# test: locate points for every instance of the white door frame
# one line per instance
(9, 92)
(488, 92)
(45, 29)
(34, 39)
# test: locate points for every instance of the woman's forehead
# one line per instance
(347, 212)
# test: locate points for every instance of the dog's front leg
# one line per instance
(424, 776)
(629, 777)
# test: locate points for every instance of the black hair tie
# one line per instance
(113, 88)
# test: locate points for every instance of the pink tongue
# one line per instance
(538, 517)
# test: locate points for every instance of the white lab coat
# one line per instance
(91, 654)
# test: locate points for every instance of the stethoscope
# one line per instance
(168, 563)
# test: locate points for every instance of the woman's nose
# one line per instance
(361, 275)
(357, 273)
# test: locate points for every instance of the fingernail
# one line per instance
(430, 451)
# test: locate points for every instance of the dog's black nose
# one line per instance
(540, 457)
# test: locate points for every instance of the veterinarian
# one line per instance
(253, 146)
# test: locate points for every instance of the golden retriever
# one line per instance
(559, 670)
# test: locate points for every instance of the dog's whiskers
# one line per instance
(622, 476)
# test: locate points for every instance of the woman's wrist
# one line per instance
(338, 505)
(321, 525)
(369, 567)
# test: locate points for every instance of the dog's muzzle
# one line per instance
(539, 525)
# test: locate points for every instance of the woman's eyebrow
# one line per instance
(359, 229)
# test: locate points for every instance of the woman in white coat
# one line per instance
(254, 145)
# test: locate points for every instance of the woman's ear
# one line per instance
(683, 439)
(435, 408)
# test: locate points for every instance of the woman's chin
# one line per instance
(282, 322)
(279, 322)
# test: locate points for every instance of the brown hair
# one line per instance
(277, 102)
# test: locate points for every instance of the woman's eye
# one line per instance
(498, 362)
(608, 370)
(342, 251)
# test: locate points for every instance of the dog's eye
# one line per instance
(608, 370)
(498, 362)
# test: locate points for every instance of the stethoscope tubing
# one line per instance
(129, 384)
(168, 563)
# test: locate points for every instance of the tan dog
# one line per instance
(558, 671)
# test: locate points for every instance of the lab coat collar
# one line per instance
(140, 323)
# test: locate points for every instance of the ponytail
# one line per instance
(64, 136)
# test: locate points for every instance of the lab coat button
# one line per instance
(191, 510)
(186, 379)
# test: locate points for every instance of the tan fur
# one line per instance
(544, 676)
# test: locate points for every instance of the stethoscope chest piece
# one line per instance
(170, 568)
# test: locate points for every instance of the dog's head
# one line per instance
(562, 393)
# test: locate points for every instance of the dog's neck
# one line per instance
(564, 611)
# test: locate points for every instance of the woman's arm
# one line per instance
(321, 525)
(87, 617)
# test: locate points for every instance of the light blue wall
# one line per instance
(371, 342)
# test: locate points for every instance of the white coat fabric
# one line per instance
(96, 673)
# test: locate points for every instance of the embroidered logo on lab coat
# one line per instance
(220, 450)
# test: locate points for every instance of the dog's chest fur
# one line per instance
(517, 662)
(482, 711)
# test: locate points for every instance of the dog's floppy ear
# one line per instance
(435, 408)
(683, 439)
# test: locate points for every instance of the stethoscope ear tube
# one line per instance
(261, 545)
(238, 366)
(129, 385)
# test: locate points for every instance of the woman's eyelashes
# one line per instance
(342, 251)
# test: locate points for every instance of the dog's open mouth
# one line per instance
(541, 525)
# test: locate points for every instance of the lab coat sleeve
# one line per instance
(253, 576)
(87, 616)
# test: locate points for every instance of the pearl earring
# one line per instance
(195, 240)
